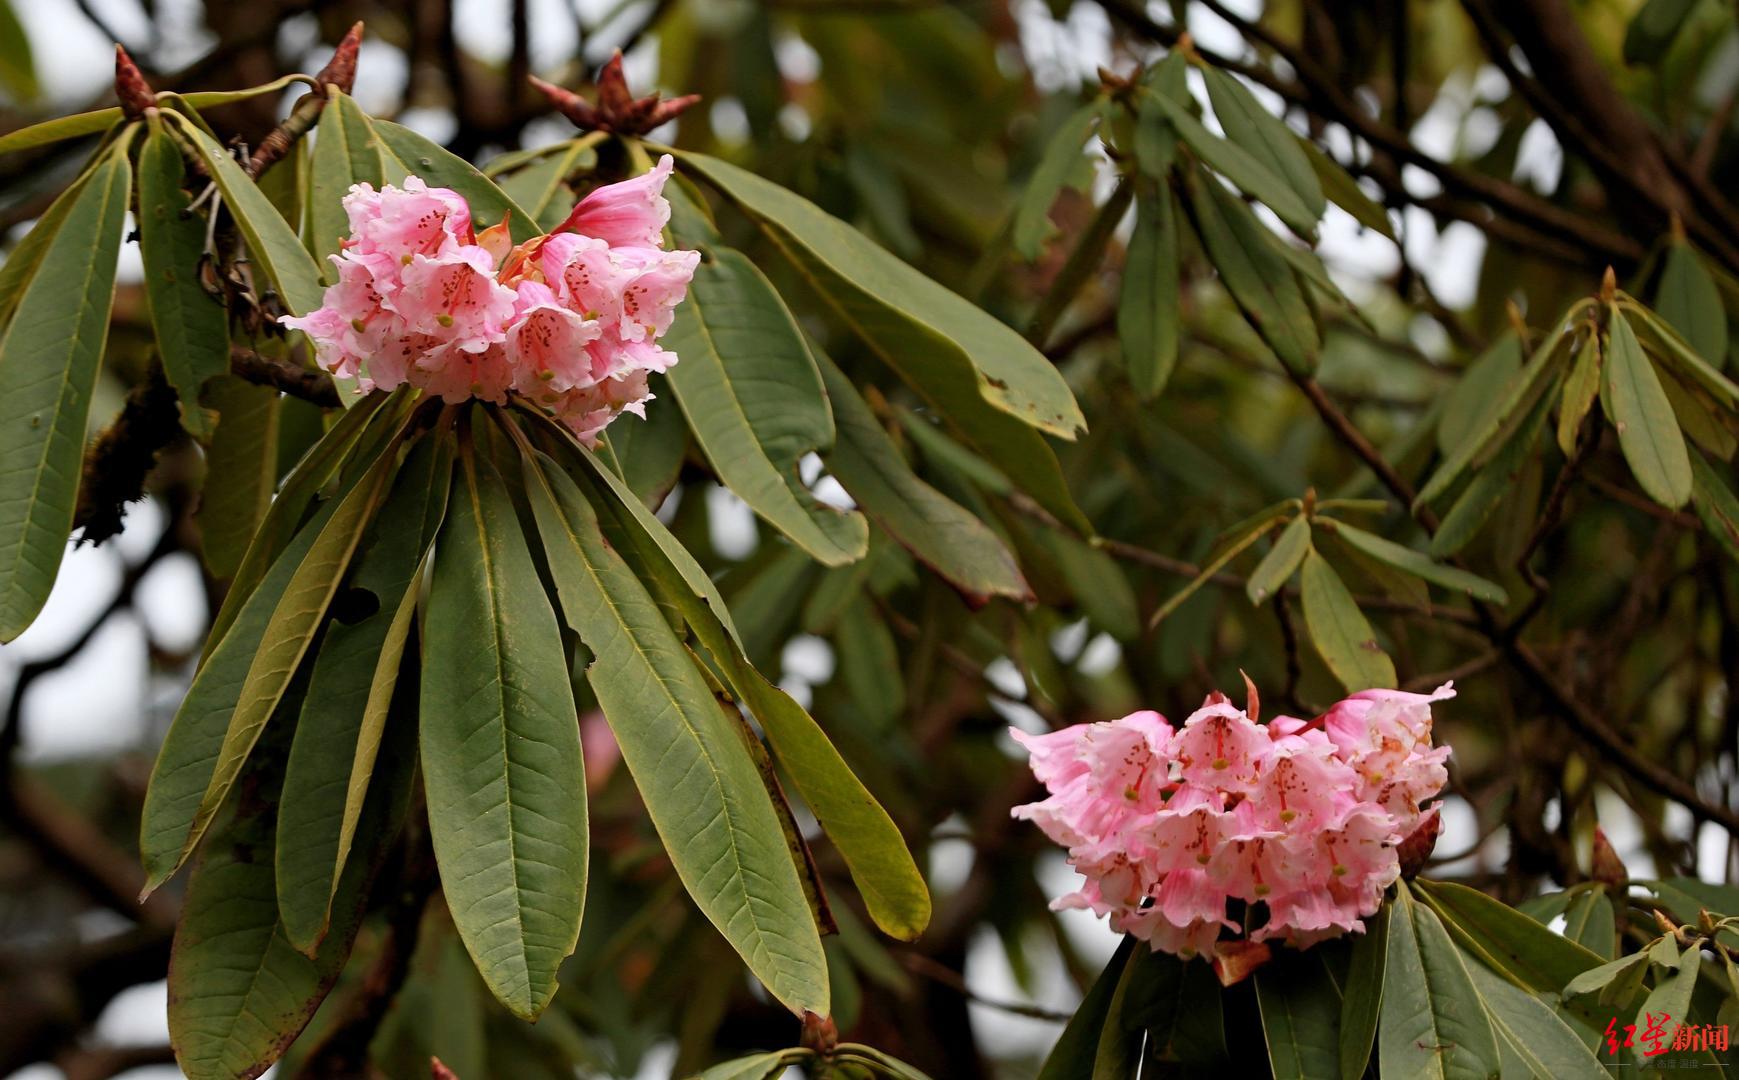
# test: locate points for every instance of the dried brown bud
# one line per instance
(1235, 961)
(340, 71)
(613, 95)
(1252, 699)
(134, 93)
(1605, 865)
(616, 110)
(820, 1034)
(1417, 848)
(569, 104)
(1608, 286)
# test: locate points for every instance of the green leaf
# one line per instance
(935, 529)
(1264, 136)
(541, 186)
(26, 256)
(757, 1066)
(1515, 403)
(1648, 432)
(1419, 564)
(699, 783)
(1670, 997)
(1281, 562)
(1255, 273)
(500, 746)
(1652, 29)
(407, 153)
(349, 691)
(980, 374)
(1236, 164)
(1361, 1003)
(1688, 300)
(1338, 629)
(1667, 346)
(295, 621)
(1532, 1040)
(1491, 483)
(1140, 993)
(1073, 1055)
(1032, 223)
(238, 992)
(49, 359)
(1617, 981)
(274, 244)
(1477, 398)
(346, 152)
(1301, 1011)
(756, 404)
(17, 64)
(1147, 311)
(1580, 390)
(241, 468)
(878, 1062)
(1236, 540)
(238, 688)
(191, 325)
(1433, 1024)
(1506, 940)
(360, 431)
(1589, 922)
(60, 129)
(1716, 505)
(1344, 191)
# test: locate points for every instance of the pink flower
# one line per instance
(1221, 747)
(633, 212)
(1299, 820)
(569, 321)
(547, 342)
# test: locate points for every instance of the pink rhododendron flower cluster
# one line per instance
(1303, 818)
(570, 320)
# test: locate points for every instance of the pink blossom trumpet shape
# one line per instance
(569, 320)
(1300, 821)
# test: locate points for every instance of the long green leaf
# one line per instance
(501, 747)
(26, 255)
(756, 404)
(187, 761)
(1716, 505)
(1671, 998)
(191, 325)
(1489, 486)
(1278, 566)
(274, 244)
(60, 129)
(936, 530)
(362, 428)
(1532, 1040)
(49, 359)
(1032, 223)
(1523, 390)
(1420, 565)
(1433, 1025)
(241, 468)
(1264, 137)
(351, 686)
(1339, 630)
(1344, 191)
(1648, 431)
(541, 186)
(1667, 345)
(1581, 389)
(978, 372)
(238, 992)
(1147, 305)
(1589, 922)
(1255, 273)
(1689, 301)
(700, 785)
(1301, 1011)
(1477, 397)
(295, 621)
(345, 153)
(1236, 164)
(1362, 1000)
